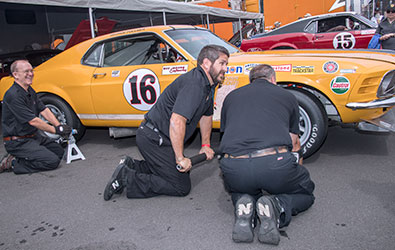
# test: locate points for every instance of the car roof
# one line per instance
(298, 25)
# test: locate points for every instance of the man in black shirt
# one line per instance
(386, 29)
(20, 124)
(260, 125)
(170, 122)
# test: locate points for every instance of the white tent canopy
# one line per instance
(149, 6)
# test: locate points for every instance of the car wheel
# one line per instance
(313, 122)
(64, 114)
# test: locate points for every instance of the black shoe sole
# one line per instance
(268, 231)
(242, 230)
(115, 184)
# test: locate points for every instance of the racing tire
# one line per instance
(64, 114)
(313, 122)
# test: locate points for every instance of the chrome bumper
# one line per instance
(386, 103)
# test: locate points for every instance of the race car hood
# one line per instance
(377, 55)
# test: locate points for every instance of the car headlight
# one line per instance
(387, 85)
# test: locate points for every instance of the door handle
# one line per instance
(319, 36)
(96, 75)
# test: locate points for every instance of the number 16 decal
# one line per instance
(141, 89)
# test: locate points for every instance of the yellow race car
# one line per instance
(112, 80)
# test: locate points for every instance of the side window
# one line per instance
(311, 27)
(93, 57)
(137, 51)
(332, 24)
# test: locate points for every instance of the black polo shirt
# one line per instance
(190, 95)
(256, 116)
(385, 27)
(19, 107)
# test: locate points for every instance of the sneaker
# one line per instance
(244, 211)
(269, 215)
(6, 163)
(128, 161)
(116, 183)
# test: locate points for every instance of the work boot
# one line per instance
(116, 183)
(6, 163)
(268, 210)
(244, 212)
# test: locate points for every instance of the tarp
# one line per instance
(216, 15)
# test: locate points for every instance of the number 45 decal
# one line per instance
(141, 89)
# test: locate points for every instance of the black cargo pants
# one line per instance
(34, 154)
(157, 173)
(277, 174)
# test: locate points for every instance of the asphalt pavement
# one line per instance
(64, 209)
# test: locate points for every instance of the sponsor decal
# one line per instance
(344, 40)
(367, 32)
(141, 89)
(348, 71)
(248, 67)
(174, 70)
(234, 70)
(330, 67)
(115, 73)
(340, 85)
(337, 4)
(282, 68)
(302, 70)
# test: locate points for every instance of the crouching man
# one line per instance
(28, 151)
(260, 122)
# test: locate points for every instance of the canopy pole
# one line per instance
(150, 19)
(241, 35)
(164, 18)
(91, 22)
(208, 22)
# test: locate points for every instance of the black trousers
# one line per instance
(277, 174)
(34, 154)
(157, 174)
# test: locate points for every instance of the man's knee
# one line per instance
(184, 189)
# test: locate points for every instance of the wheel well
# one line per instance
(41, 94)
(326, 104)
(282, 47)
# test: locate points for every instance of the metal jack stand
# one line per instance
(70, 146)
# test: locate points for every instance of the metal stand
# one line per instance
(71, 145)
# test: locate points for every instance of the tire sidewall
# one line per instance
(318, 127)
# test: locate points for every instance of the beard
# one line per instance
(218, 77)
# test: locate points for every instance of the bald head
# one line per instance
(263, 71)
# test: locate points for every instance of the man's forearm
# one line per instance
(47, 114)
(40, 124)
(206, 125)
(177, 135)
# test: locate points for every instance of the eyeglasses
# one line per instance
(27, 71)
(390, 11)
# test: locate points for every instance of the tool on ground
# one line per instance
(199, 158)
(71, 144)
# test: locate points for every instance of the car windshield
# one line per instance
(369, 22)
(193, 40)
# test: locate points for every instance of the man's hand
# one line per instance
(185, 164)
(208, 151)
(63, 130)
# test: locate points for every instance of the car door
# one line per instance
(133, 73)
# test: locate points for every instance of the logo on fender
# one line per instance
(340, 85)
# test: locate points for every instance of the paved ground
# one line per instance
(64, 209)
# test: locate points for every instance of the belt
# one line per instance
(12, 138)
(260, 153)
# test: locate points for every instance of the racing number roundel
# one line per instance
(141, 89)
(344, 40)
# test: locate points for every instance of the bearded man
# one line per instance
(187, 101)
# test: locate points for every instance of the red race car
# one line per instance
(343, 30)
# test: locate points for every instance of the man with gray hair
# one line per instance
(260, 125)
(29, 152)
